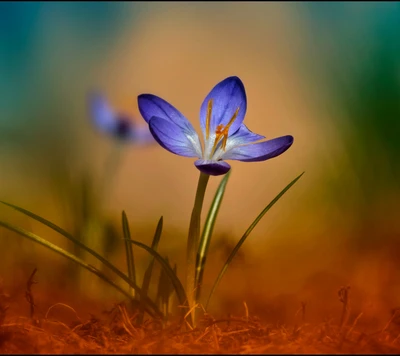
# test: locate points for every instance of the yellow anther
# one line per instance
(208, 118)
(224, 141)
(226, 130)
(232, 120)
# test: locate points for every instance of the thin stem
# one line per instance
(109, 172)
(93, 228)
(105, 189)
(193, 240)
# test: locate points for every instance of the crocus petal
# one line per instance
(173, 138)
(101, 112)
(242, 136)
(151, 105)
(213, 168)
(227, 96)
(142, 135)
(259, 151)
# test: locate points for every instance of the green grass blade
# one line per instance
(175, 269)
(164, 285)
(89, 250)
(207, 233)
(69, 256)
(165, 289)
(247, 233)
(159, 296)
(154, 246)
(128, 248)
(170, 290)
(180, 291)
(149, 270)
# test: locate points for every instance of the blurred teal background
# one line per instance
(327, 73)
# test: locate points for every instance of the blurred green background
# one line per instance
(326, 73)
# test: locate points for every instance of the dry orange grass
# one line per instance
(115, 331)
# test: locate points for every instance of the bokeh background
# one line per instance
(326, 73)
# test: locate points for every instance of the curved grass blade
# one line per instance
(69, 256)
(207, 233)
(247, 233)
(149, 270)
(180, 291)
(89, 250)
(128, 248)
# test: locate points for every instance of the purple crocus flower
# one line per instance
(225, 135)
(119, 125)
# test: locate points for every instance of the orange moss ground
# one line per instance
(83, 326)
(114, 332)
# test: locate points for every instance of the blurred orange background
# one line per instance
(292, 58)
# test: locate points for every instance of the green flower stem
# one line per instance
(193, 241)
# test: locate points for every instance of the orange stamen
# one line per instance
(227, 128)
(232, 120)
